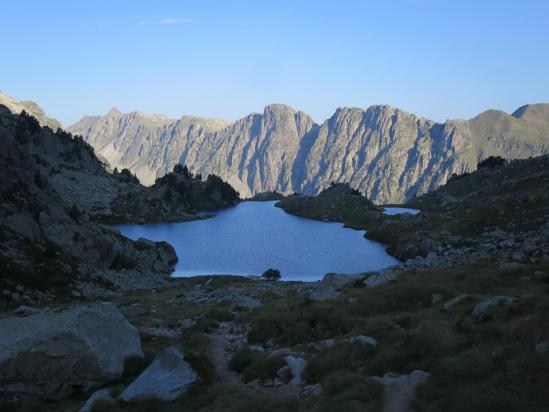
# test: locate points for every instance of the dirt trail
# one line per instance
(221, 342)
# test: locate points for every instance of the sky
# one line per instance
(225, 59)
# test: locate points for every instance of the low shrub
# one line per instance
(271, 274)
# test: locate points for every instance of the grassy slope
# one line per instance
(477, 364)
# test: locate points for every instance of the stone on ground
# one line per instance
(167, 378)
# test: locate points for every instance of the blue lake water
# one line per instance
(253, 236)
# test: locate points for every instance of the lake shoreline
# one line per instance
(253, 236)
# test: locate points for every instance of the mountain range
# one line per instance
(388, 154)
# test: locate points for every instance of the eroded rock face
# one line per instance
(49, 354)
(168, 377)
(386, 153)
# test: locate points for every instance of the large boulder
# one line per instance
(49, 354)
(168, 377)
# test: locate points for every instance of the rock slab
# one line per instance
(168, 377)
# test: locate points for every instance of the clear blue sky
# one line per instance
(437, 58)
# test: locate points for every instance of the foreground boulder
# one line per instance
(168, 377)
(49, 354)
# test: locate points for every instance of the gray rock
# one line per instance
(380, 278)
(167, 378)
(45, 355)
(460, 298)
(483, 306)
(101, 394)
(297, 366)
(280, 352)
(363, 340)
(400, 389)
(330, 286)
(187, 323)
(26, 310)
(246, 302)
(327, 343)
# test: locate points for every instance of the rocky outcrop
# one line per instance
(55, 191)
(384, 152)
(49, 354)
(167, 378)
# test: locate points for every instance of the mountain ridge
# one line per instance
(388, 153)
(17, 106)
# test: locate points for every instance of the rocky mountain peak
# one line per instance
(17, 106)
(278, 108)
(114, 112)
